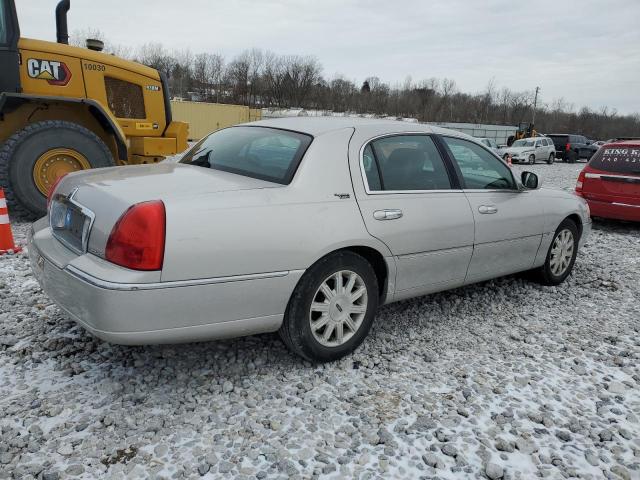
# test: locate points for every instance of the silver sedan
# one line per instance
(303, 226)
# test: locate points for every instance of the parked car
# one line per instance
(610, 182)
(571, 148)
(529, 150)
(598, 143)
(491, 144)
(298, 225)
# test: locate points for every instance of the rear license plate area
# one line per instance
(69, 224)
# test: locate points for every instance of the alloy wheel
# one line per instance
(338, 308)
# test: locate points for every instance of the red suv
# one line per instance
(610, 182)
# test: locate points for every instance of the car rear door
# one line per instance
(410, 199)
(614, 175)
(508, 222)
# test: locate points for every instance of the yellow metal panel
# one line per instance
(255, 114)
(179, 131)
(152, 146)
(204, 118)
(154, 122)
(86, 54)
(51, 74)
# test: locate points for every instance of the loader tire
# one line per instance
(31, 159)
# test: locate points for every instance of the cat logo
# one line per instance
(54, 72)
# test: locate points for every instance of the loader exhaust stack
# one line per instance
(62, 32)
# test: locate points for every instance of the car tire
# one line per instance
(24, 149)
(552, 273)
(313, 332)
(551, 159)
(532, 159)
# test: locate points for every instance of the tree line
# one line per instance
(262, 79)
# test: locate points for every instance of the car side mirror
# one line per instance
(529, 180)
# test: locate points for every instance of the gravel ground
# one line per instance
(504, 379)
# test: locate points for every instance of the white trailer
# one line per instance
(499, 133)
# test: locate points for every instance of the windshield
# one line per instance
(620, 159)
(258, 152)
(523, 143)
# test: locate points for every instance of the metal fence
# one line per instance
(204, 118)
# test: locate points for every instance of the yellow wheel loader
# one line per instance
(65, 108)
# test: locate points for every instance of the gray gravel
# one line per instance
(505, 379)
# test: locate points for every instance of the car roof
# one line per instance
(320, 125)
(624, 143)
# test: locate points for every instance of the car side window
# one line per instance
(406, 162)
(371, 169)
(480, 169)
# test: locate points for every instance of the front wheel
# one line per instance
(551, 159)
(532, 159)
(332, 308)
(561, 255)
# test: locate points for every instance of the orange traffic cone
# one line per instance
(6, 236)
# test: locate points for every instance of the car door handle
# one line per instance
(487, 209)
(387, 214)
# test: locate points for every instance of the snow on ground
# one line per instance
(505, 379)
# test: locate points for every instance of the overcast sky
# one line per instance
(585, 51)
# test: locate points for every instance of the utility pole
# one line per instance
(535, 104)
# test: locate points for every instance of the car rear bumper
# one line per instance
(614, 210)
(163, 312)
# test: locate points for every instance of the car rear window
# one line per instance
(619, 159)
(265, 153)
(559, 140)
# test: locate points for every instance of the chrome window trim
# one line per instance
(365, 181)
(85, 211)
(108, 285)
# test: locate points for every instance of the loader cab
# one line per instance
(9, 59)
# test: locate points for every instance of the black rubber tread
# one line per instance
(295, 331)
(65, 131)
(543, 273)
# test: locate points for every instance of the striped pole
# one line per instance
(6, 236)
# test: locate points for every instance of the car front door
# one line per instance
(410, 199)
(508, 221)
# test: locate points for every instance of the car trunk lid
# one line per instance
(87, 205)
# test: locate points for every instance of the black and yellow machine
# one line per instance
(525, 130)
(65, 108)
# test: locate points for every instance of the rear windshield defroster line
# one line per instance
(265, 153)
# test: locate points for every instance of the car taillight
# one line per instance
(579, 183)
(137, 239)
(53, 189)
(567, 147)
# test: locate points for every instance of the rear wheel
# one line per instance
(32, 159)
(332, 308)
(561, 255)
(551, 158)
